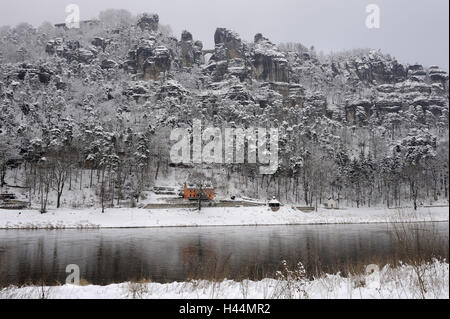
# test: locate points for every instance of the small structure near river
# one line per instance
(275, 205)
(194, 191)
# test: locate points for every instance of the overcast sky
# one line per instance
(411, 30)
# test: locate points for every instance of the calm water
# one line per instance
(175, 254)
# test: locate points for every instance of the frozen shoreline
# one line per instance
(242, 216)
(387, 283)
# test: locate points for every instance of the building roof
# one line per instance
(204, 186)
(274, 202)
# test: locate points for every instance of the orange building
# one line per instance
(191, 192)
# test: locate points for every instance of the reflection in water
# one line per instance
(176, 254)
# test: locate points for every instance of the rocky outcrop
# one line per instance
(148, 22)
(186, 36)
(43, 73)
(172, 89)
(352, 87)
(240, 69)
(139, 55)
(55, 46)
(228, 45)
(232, 58)
(370, 67)
(313, 98)
(73, 45)
(83, 55)
(108, 64)
(357, 111)
(60, 47)
(265, 96)
(216, 70)
(397, 98)
(138, 91)
(240, 94)
(148, 60)
(259, 37)
(268, 63)
(191, 52)
(316, 101)
(375, 68)
(388, 104)
(71, 50)
(293, 94)
(416, 72)
(101, 43)
(437, 75)
(158, 63)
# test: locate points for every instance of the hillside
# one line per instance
(93, 108)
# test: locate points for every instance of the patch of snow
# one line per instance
(388, 283)
(209, 216)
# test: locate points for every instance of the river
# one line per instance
(176, 254)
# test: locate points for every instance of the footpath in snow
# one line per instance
(388, 283)
(239, 216)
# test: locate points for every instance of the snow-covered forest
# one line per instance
(92, 109)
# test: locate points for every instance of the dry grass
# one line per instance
(212, 268)
(138, 289)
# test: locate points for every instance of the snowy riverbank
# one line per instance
(388, 283)
(243, 216)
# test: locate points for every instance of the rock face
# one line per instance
(149, 22)
(268, 63)
(142, 52)
(55, 46)
(172, 89)
(437, 75)
(71, 50)
(158, 63)
(239, 94)
(100, 43)
(228, 45)
(260, 37)
(242, 85)
(216, 70)
(292, 93)
(397, 98)
(373, 69)
(240, 69)
(108, 64)
(186, 36)
(84, 56)
(353, 87)
(138, 56)
(191, 52)
(43, 73)
(148, 60)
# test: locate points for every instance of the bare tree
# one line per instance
(45, 180)
(200, 183)
(7, 152)
(60, 166)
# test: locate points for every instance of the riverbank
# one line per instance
(429, 281)
(241, 216)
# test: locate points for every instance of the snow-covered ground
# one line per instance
(240, 216)
(398, 283)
